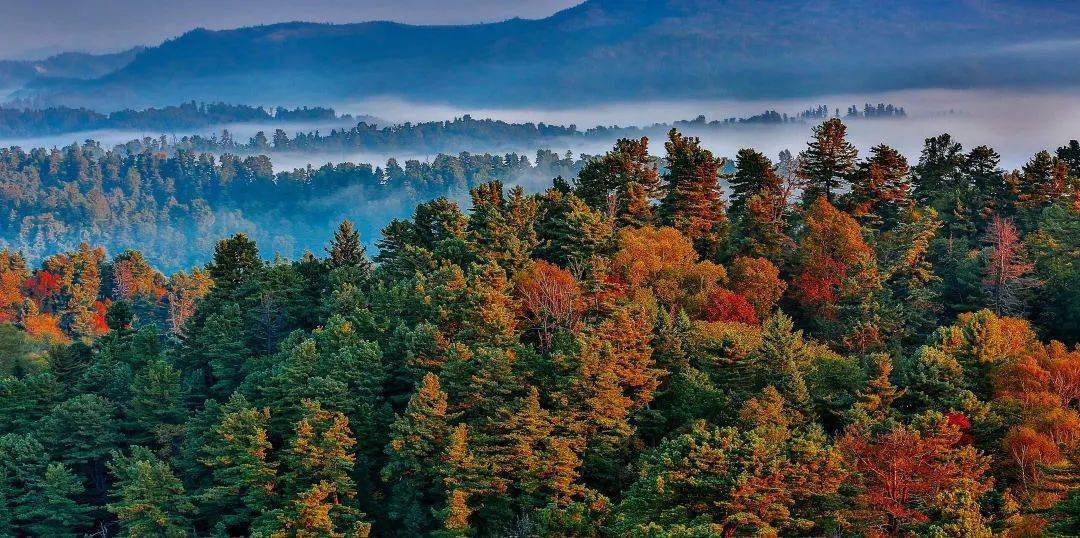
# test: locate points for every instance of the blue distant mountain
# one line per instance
(609, 49)
(71, 65)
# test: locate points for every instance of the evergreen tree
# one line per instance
(938, 177)
(620, 183)
(156, 410)
(693, 202)
(148, 499)
(346, 250)
(879, 188)
(827, 162)
(418, 436)
(243, 480)
(52, 508)
(235, 260)
(754, 175)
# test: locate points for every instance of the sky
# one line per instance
(31, 29)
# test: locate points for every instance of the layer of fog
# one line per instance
(1016, 124)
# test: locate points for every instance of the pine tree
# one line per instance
(938, 176)
(1043, 181)
(319, 462)
(51, 506)
(243, 480)
(236, 260)
(1070, 154)
(156, 409)
(82, 431)
(346, 250)
(874, 403)
(880, 189)
(989, 194)
(827, 162)
(148, 499)
(620, 183)
(418, 437)
(754, 175)
(693, 202)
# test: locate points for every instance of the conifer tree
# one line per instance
(418, 436)
(620, 183)
(827, 162)
(346, 250)
(319, 462)
(874, 403)
(754, 175)
(880, 188)
(157, 407)
(235, 261)
(148, 499)
(938, 176)
(693, 202)
(243, 480)
(52, 507)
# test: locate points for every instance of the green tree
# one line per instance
(81, 432)
(51, 506)
(346, 250)
(827, 161)
(754, 175)
(243, 479)
(620, 183)
(693, 202)
(148, 499)
(418, 437)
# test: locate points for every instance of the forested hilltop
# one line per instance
(840, 345)
(173, 207)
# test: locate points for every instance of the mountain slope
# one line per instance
(605, 49)
(75, 65)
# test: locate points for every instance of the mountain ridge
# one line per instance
(600, 50)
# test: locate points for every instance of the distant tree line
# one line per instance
(432, 136)
(192, 115)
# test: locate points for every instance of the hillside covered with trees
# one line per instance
(606, 50)
(839, 345)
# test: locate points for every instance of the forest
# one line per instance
(824, 344)
(172, 208)
(54, 120)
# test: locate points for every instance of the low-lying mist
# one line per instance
(1017, 124)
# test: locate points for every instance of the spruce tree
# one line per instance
(346, 250)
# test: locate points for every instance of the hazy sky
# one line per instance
(34, 28)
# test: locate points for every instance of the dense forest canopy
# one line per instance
(832, 344)
(173, 207)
